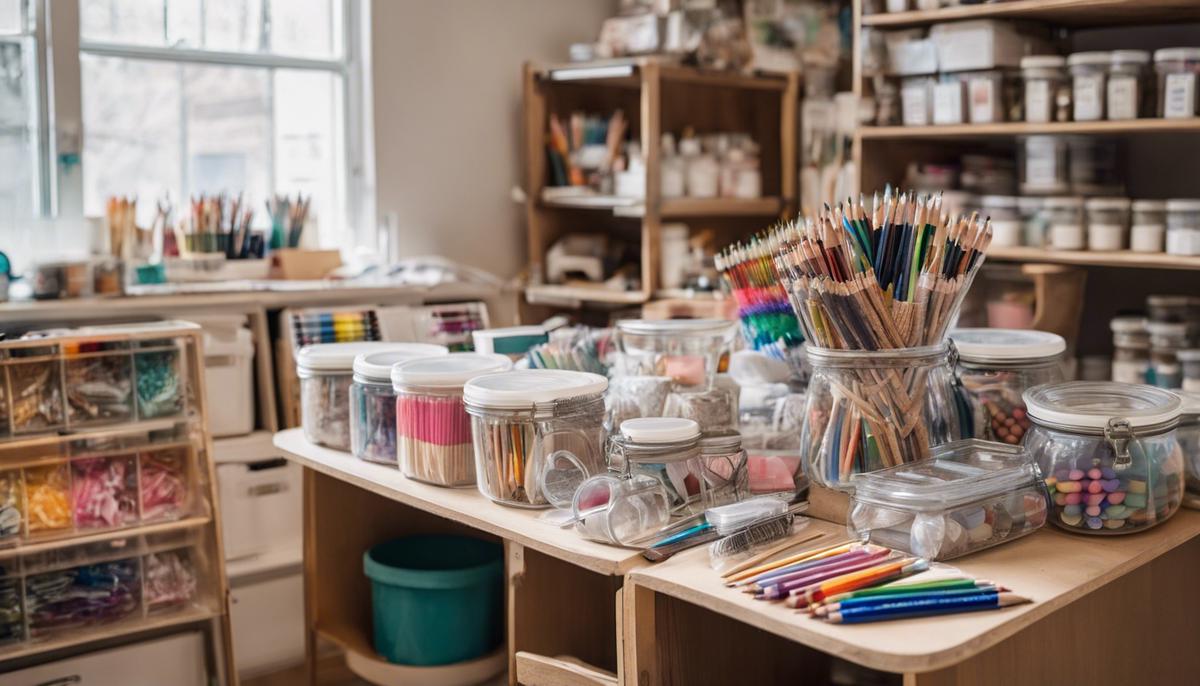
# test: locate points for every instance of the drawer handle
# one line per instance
(261, 490)
(63, 681)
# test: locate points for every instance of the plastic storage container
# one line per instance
(1065, 216)
(916, 100)
(436, 600)
(1183, 227)
(1189, 443)
(229, 379)
(636, 396)
(994, 368)
(1131, 350)
(433, 429)
(521, 418)
(972, 495)
(1178, 72)
(1108, 452)
(620, 511)
(1044, 165)
(666, 449)
(1189, 360)
(1148, 228)
(725, 466)
(1046, 83)
(1007, 229)
(867, 410)
(1166, 340)
(993, 96)
(1130, 91)
(687, 350)
(1107, 223)
(326, 372)
(373, 406)
(1089, 73)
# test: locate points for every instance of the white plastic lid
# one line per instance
(1089, 405)
(1176, 54)
(377, 366)
(1091, 57)
(1183, 205)
(676, 327)
(660, 430)
(1167, 328)
(1128, 325)
(339, 357)
(1043, 62)
(1107, 203)
(1191, 403)
(1006, 345)
(1062, 202)
(1002, 201)
(728, 519)
(523, 388)
(1149, 205)
(1130, 57)
(1188, 355)
(447, 371)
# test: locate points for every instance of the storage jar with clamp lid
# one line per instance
(687, 350)
(725, 466)
(667, 449)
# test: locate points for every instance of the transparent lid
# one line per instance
(654, 430)
(1176, 54)
(677, 327)
(339, 357)
(729, 518)
(1006, 345)
(1183, 205)
(1191, 404)
(447, 371)
(525, 388)
(1120, 57)
(1089, 405)
(377, 366)
(561, 477)
(959, 473)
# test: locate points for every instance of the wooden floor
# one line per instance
(331, 672)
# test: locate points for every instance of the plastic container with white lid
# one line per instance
(727, 519)
(1178, 72)
(513, 341)
(1148, 227)
(433, 429)
(1007, 228)
(1107, 223)
(1183, 226)
(667, 449)
(994, 367)
(521, 419)
(1130, 85)
(972, 495)
(326, 371)
(1045, 79)
(1066, 222)
(1089, 72)
(373, 403)
(687, 350)
(726, 466)
(1109, 453)
(1131, 350)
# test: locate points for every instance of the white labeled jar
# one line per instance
(1178, 72)
(666, 449)
(1129, 90)
(1007, 228)
(1044, 165)
(1131, 350)
(1065, 216)
(1107, 223)
(1183, 226)
(1148, 227)
(1089, 75)
(1044, 77)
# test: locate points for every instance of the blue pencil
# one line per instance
(901, 609)
(872, 601)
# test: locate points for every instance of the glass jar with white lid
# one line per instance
(1089, 74)
(1148, 226)
(1131, 350)
(1130, 85)
(1007, 228)
(1065, 216)
(1178, 72)
(666, 449)
(1045, 80)
(1183, 226)
(1107, 223)
(687, 350)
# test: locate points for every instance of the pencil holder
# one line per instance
(870, 410)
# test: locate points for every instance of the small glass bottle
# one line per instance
(1178, 72)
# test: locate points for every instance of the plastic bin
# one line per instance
(229, 380)
(436, 600)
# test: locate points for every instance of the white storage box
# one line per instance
(948, 99)
(260, 506)
(983, 44)
(178, 660)
(268, 624)
(910, 53)
(228, 374)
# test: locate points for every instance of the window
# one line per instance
(21, 184)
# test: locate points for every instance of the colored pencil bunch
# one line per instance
(768, 323)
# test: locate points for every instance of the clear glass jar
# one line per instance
(666, 449)
(1108, 452)
(916, 100)
(868, 410)
(1131, 350)
(433, 429)
(1183, 226)
(1166, 340)
(713, 409)
(1130, 87)
(1033, 223)
(1045, 80)
(1178, 72)
(620, 511)
(689, 351)
(1089, 73)
(1044, 165)
(1189, 360)
(1065, 215)
(725, 467)
(373, 408)
(1148, 229)
(521, 419)
(1189, 443)
(1007, 228)
(630, 397)
(994, 367)
(972, 495)
(993, 96)
(1107, 223)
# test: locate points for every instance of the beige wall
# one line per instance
(447, 103)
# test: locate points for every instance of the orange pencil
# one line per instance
(889, 571)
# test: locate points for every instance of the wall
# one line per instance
(447, 104)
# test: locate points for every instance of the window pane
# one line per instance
(306, 28)
(233, 25)
(12, 16)
(309, 151)
(228, 131)
(18, 132)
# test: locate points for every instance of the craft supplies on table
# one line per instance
(1108, 452)
(768, 323)
(1183, 226)
(724, 466)
(1178, 71)
(520, 418)
(1148, 228)
(734, 547)
(433, 429)
(1131, 350)
(1046, 88)
(687, 350)
(666, 449)
(620, 510)
(1107, 223)
(994, 367)
(972, 495)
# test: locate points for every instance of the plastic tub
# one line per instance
(1130, 91)
(687, 350)
(1089, 72)
(229, 379)
(1045, 80)
(1107, 223)
(436, 600)
(1178, 72)
(1148, 229)
(666, 449)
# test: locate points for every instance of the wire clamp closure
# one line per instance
(1119, 433)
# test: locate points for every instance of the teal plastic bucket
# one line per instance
(436, 600)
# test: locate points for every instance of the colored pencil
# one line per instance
(895, 569)
(855, 553)
(902, 609)
(894, 589)
(749, 575)
(756, 560)
(869, 601)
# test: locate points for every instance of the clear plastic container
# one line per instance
(433, 429)
(1189, 443)
(1148, 229)
(666, 449)
(99, 381)
(12, 509)
(776, 472)
(1189, 360)
(1065, 216)
(1166, 340)
(36, 391)
(620, 511)
(326, 372)
(1107, 223)
(1089, 74)
(972, 495)
(726, 470)
(993, 96)
(1007, 228)
(868, 410)
(1183, 226)
(994, 368)
(104, 492)
(520, 419)
(159, 380)
(916, 100)
(1045, 81)
(1044, 165)
(1130, 93)
(1131, 350)
(1108, 452)
(687, 350)
(630, 397)
(1178, 72)
(373, 406)
(733, 517)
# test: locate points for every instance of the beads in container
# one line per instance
(1108, 453)
(666, 449)
(82, 596)
(170, 580)
(48, 498)
(433, 429)
(994, 368)
(687, 350)
(164, 483)
(36, 393)
(160, 388)
(12, 498)
(99, 385)
(972, 495)
(725, 469)
(104, 492)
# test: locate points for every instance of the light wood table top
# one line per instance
(464, 505)
(1051, 567)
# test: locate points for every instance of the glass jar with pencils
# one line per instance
(1109, 453)
(870, 410)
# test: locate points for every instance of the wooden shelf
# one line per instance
(967, 131)
(552, 294)
(679, 208)
(108, 631)
(590, 201)
(1065, 12)
(109, 535)
(623, 72)
(1121, 258)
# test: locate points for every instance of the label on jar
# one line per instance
(1066, 236)
(985, 101)
(1041, 169)
(914, 103)
(1146, 237)
(948, 103)
(1122, 97)
(1179, 96)
(1038, 108)
(1089, 97)
(1183, 241)
(1130, 371)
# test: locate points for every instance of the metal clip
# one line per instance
(1119, 433)
(952, 354)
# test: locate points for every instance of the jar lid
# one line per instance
(524, 388)
(960, 472)
(1006, 345)
(1001, 201)
(511, 340)
(377, 366)
(339, 357)
(1089, 405)
(677, 327)
(1183, 205)
(1167, 328)
(1107, 203)
(1188, 355)
(1128, 325)
(720, 442)
(447, 371)
(1090, 58)
(1191, 403)
(660, 430)
(1063, 202)
(1043, 62)
(1176, 54)
(1149, 205)
(1130, 57)
(1162, 300)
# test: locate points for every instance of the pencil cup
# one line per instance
(870, 410)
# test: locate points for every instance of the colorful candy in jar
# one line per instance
(1091, 493)
(164, 484)
(1007, 421)
(104, 492)
(48, 498)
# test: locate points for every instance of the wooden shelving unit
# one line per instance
(1064, 12)
(656, 97)
(1121, 258)
(1132, 127)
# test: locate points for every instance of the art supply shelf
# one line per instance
(1117, 258)
(1131, 127)
(1065, 12)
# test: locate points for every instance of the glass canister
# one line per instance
(1007, 229)
(972, 495)
(1183, 226)
(868, 410)
(1131, 350)
(1166, 340)
(1089, 74)
(1033, 223)
(1148, 229)
(994, 368)
(689, 351)
(433, 429)
(1108, 452)
(713, 409)
(620, 511)
(1065, 215)
(725, 467)
(1189, 442)
(1107, 223)
(373, 407)
(1045, 80)
(1130, 88)
(326, 372)
(523, 418)
(1178, 72)
(629, 397)
(1044, 165)
(666, 449)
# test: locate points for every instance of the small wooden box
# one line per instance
(296, 264)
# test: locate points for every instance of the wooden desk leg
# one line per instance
(310, 575)
(640, 659)
(514, 574)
